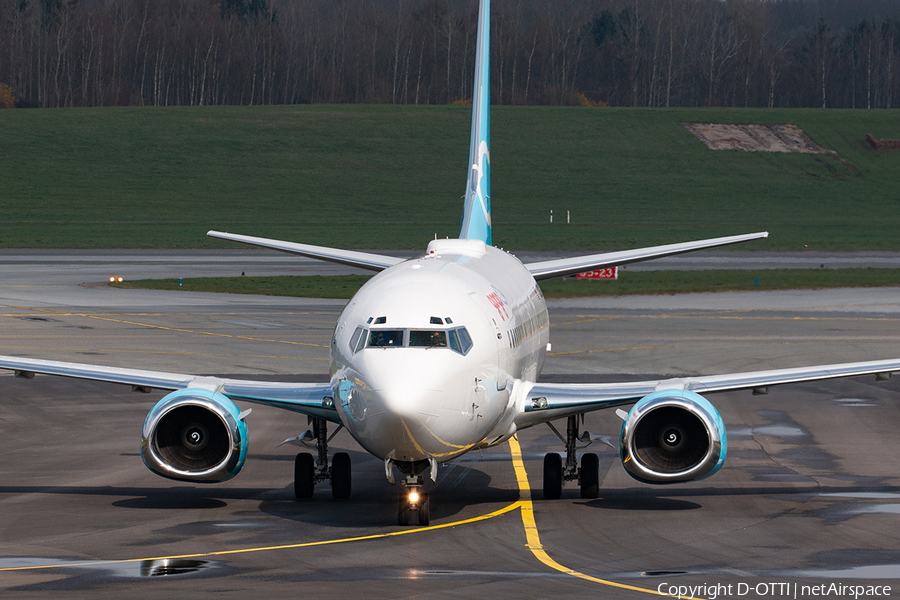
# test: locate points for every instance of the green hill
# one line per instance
(365, 176)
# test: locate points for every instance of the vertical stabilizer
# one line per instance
(476, 224)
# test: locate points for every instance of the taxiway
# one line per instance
(810, 492)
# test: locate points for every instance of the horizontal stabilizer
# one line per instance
(567, 266)
(362, 260)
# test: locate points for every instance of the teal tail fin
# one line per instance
(476, 224)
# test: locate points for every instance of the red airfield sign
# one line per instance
(611, 273)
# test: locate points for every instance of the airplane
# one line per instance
(439, 355)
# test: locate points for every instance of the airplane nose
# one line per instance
(411, 405)
(407, 399)
(412, 389)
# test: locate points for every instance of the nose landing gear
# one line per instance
(414, 500)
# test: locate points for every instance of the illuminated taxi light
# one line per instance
(119, 279)
(112, 279)
(413, 497)
(116, 279)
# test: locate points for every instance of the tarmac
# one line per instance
(809, 494)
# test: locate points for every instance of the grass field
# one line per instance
(392, 177)
(638, 282)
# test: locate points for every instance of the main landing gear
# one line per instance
(556, 474)
(308, 471)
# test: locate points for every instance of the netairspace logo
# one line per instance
(712, 591)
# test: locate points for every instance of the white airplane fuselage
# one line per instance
(426, 356)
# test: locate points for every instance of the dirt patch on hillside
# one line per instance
(754, 138)
(880, 145)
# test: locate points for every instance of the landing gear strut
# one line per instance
(556, 474)
(308, 471)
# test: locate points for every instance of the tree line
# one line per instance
(753, 53)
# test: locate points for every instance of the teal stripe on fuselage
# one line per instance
(476, 223)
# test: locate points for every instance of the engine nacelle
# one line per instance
(194, 435)
(672, 436)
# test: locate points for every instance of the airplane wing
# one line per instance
(362, 260)
(549, 401)
(567, 266)
(314, 399)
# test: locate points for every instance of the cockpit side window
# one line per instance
(453, 338)
(354, 339)
(460, 341)
(465, 340)
(358, 341)
(428, 339)
(386, 338)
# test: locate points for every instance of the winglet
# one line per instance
(476, 224)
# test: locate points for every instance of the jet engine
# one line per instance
(672, 436)
(194, 435)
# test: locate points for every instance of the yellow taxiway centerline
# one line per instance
(361, 538)
(524, 503)
(531, 531)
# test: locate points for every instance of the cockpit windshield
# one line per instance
(386, 338)
(428, 339)
(456, 339)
